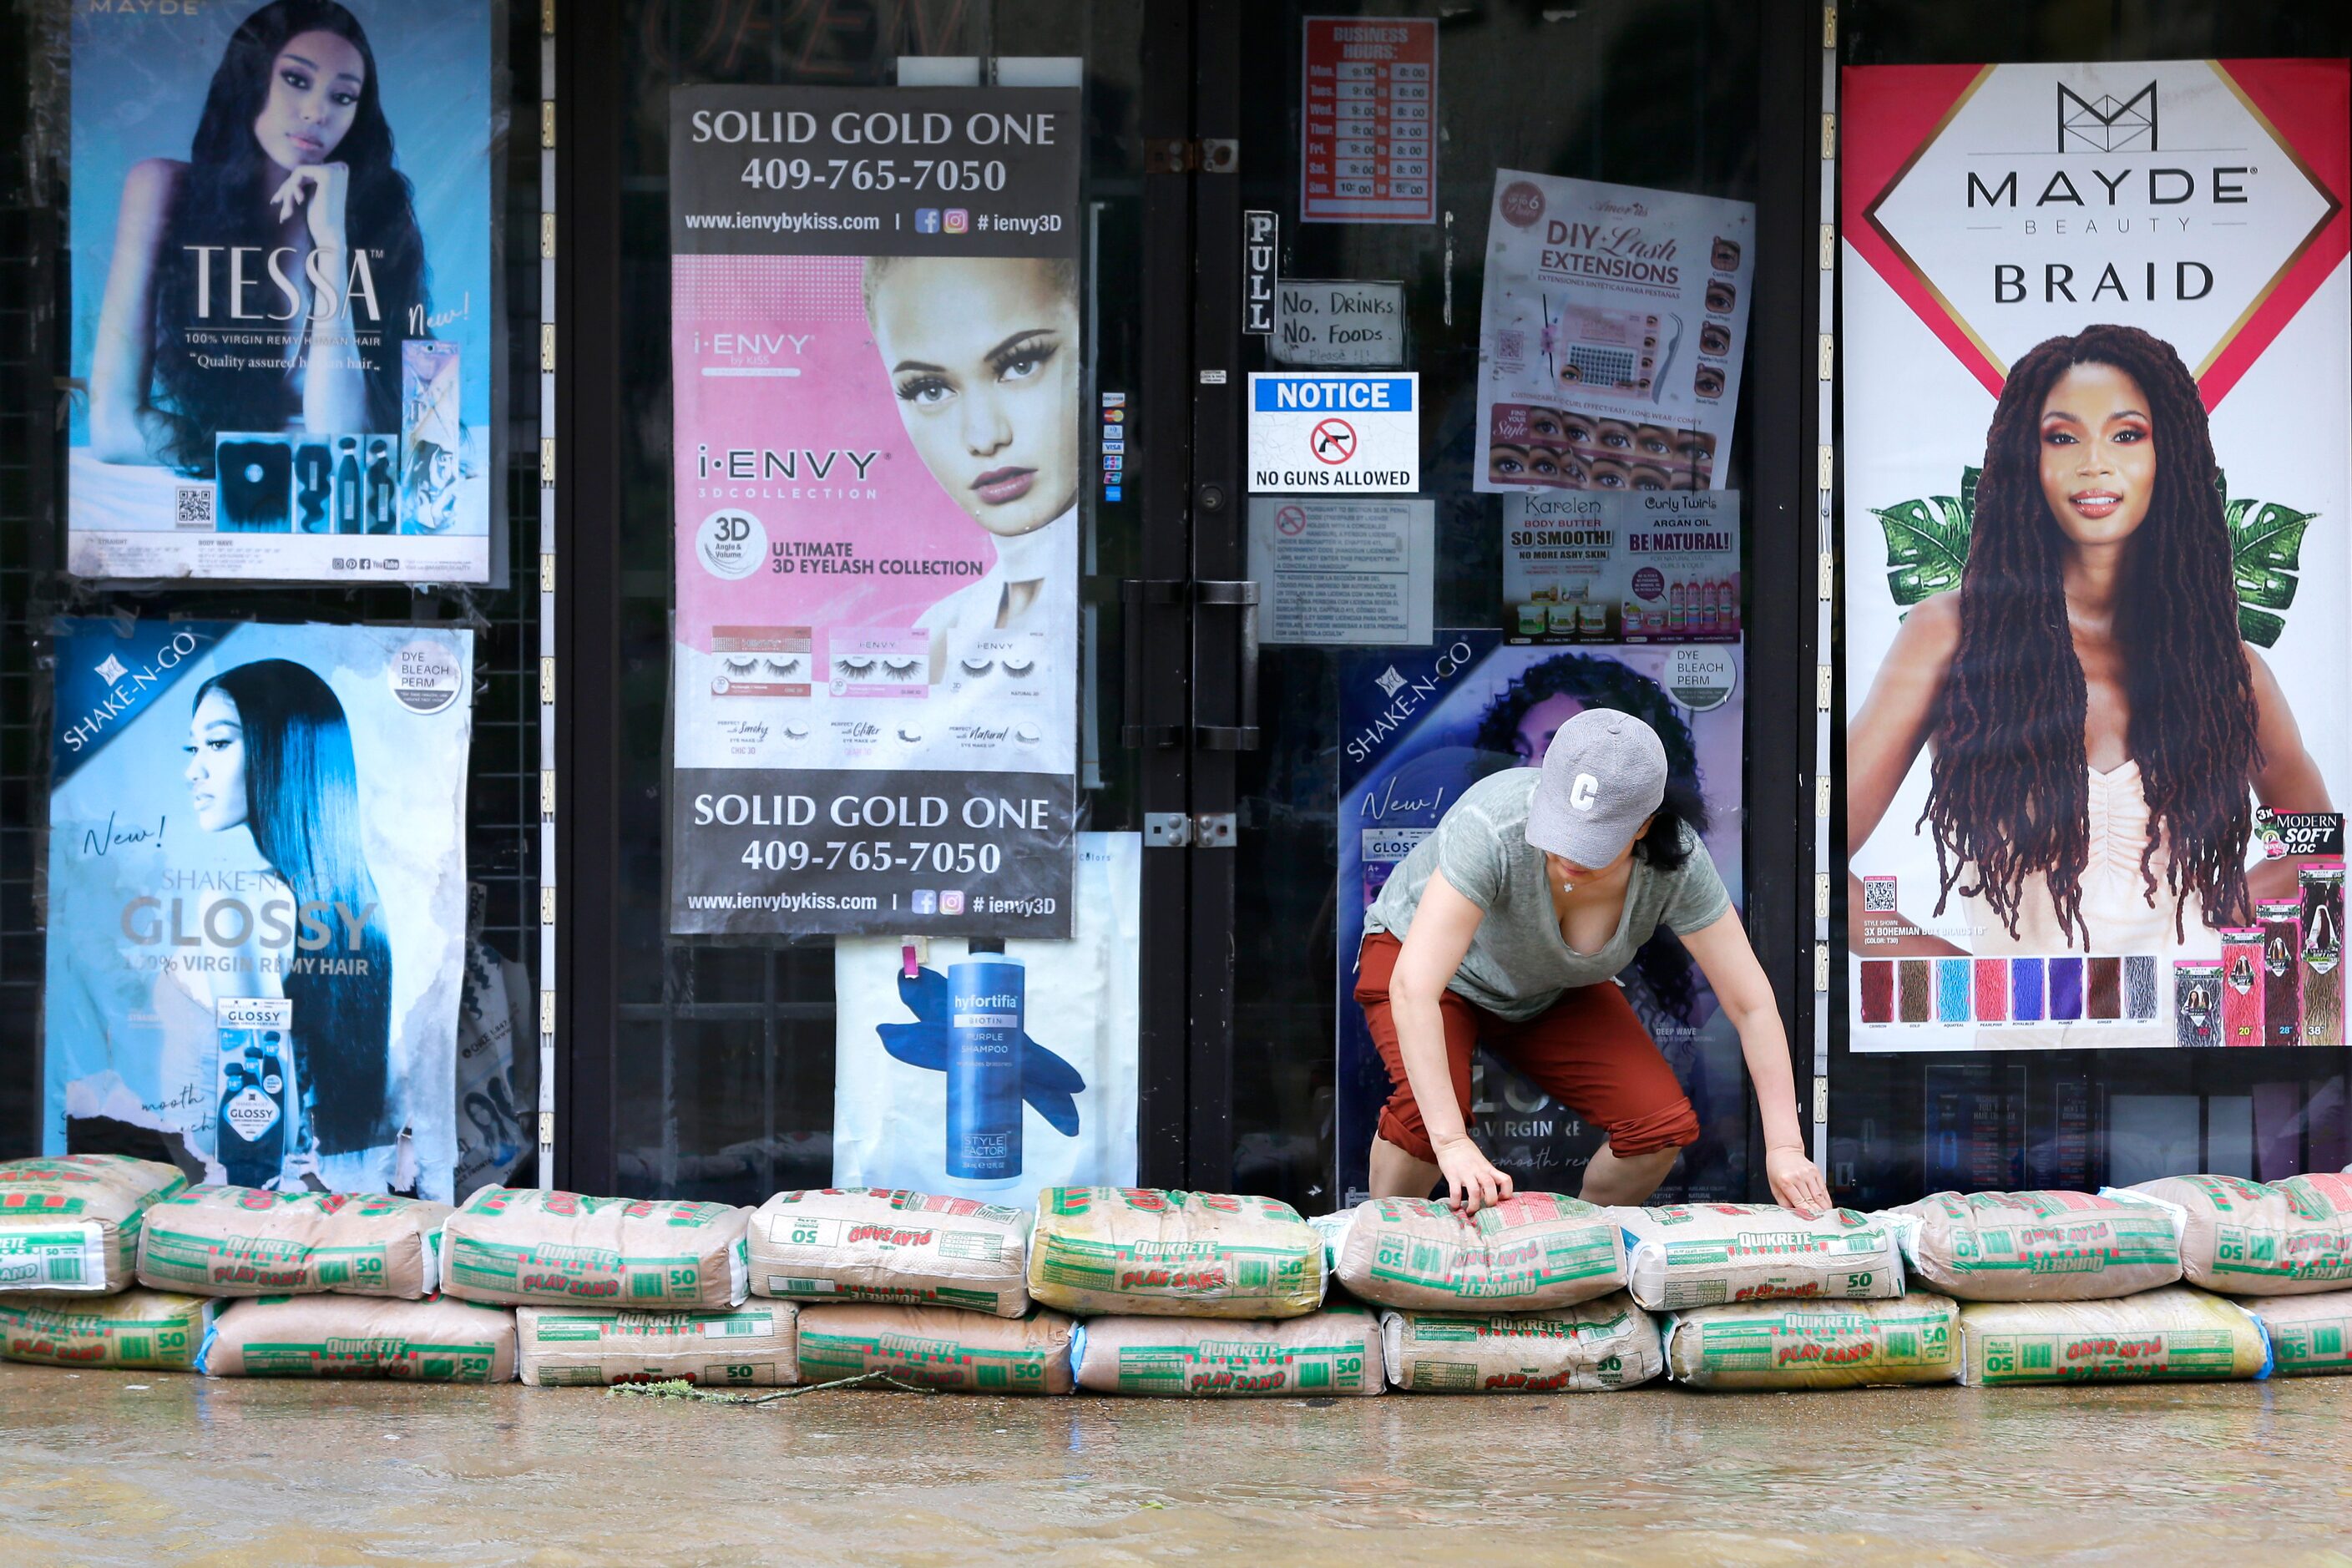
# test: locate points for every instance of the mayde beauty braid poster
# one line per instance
(878, 367)
(257, 899)
(2096, 389)
(281, 326)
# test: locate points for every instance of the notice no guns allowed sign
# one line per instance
(1356, 433)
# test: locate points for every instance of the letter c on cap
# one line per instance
(1581, 793)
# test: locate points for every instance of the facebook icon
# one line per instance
(927, 220)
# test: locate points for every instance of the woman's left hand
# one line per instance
(324, 188)
(1797, 1182)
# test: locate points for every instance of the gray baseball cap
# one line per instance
(1603, 774)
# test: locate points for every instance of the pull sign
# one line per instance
(1261, 260)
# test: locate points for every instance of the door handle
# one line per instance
(1235, 593)
(1136, 595)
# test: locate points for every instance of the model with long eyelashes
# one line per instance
(2099, 729)
(292, 155)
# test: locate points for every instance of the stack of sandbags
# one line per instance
(938, 1347)
(1708, 1255)
(1532, 1250)
(148, 1330)
(2309, 1335)
(886, 1245)
(324, 1335)
(69, 1226)
(2036, 1245)
(245, 1241)
(1591, 1347)
(2171, 1334)
(521, 1245)
(1790, 1344)
(2254, 1238)
(1333, 1352)
(753, 1345)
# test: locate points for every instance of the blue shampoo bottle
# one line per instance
(987, 996)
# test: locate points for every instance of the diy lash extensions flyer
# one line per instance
(2096, 389)
(282, 322)
(878, 367)
(257, 914)
(1610, 341)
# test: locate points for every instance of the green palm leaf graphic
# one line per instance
(1927, 542)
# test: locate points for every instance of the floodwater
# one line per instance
(138, 1467)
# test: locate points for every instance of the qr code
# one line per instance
(1878, 895)
(193, 506)
(1511, 344)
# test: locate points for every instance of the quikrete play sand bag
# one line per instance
(439, 1341)
(243, 1241)
(1530, 1251)
(1144, 1251)
(1334, 1352)
(70, 1222)
(879, 1244)
(2175, 1333)
(748, 1346)
(154, 1331)
(2036, 1245)
(1589, 1347)
(1708, 1255)
(2309, 1334)
(2256, 1238)
(516, 1245)
(938, 1347)
(1913, 1338)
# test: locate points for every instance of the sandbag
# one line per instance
(1912, 1338)
(1334, 1352)
(519, 1245)
(2036, 1245)
(438, 1340)
(2308, 1334)
(70, 1222)
(938, 1347)
(748, 1346)
(1140, 1251)
(2174, 1334)
(1589, 1347)
(1708, 1255)
(2255, 1239)
(1532, 1250)
(880, 1244)
(154, 1331)
(244, 1241)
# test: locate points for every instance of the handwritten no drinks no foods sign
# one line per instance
(1354, 435)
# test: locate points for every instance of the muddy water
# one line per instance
(129, 1467)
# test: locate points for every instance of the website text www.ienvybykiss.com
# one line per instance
(862, 223)
(783, 903)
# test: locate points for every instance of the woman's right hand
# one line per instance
(1472, 1182)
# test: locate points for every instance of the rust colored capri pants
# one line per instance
(1587, 1050)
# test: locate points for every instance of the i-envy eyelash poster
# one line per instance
(282, 324)
(876, 368)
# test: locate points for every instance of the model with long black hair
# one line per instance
(291, 189)
(2099, 727)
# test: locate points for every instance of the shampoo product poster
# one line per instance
(1610, 338)
(994, 1071)
(2097, 372)
(258, 900)
(876, 347)
(1418, 726)
(282, 331)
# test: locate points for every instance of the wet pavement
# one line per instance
(140, 1468)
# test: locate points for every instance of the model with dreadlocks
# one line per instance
(2097, 721)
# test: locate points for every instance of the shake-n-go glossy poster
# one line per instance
(2096, 393)
(282, 326)
(877, 370)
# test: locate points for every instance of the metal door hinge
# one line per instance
(1167, 830)
(1207, 155)
(1213, 830)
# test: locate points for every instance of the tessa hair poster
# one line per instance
(257, 909)
(282, 325)
(2094, 393)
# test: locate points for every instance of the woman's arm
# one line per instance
(1434, 946)
(2287, 779)
(122, 427)
(1881, 744)
(334, 383)
(1738, 982)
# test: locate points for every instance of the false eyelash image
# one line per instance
(782, 665)
(910, 734)
(1017, 667)
(741, 667)
(901, 668)
(1027, 734)
(976, 665)
(796, 732)
(860, 667)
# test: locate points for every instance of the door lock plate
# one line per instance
(1166, 830)
(1213, 830)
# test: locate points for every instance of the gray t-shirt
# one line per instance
(1518, 963)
